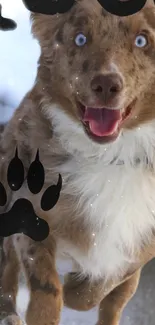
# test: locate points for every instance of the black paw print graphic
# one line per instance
(49, 7)
(6, 23)
(122, 8)
(115, 7)
(21, 218)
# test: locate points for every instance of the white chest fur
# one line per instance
(119, 207)
(118, 200)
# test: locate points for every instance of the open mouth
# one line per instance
(103, 124)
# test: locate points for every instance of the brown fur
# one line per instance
(109, 37)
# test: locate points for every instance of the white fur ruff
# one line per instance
(116, 195)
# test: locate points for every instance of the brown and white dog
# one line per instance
(92, 114)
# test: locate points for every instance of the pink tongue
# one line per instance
(102, 121)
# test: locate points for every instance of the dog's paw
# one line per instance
(6, 23)
(21, 218)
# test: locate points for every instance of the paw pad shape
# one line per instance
(122, 8)
(6, 23)
(49, 7)
(21, 218)
(115, 7)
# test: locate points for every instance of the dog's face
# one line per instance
(100, 68)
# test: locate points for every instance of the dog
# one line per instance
(91, 114)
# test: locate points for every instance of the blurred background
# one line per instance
(19, 53)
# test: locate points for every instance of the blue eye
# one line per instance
(80, 40)
(141, 41)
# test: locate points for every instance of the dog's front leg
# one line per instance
(45, 289)
(112, 305)
(84, 294)
(112, 296)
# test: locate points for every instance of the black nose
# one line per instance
(107, 86)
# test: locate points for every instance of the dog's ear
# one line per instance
(149, 13)
(150, 3)
(6, 23)
(48, 7)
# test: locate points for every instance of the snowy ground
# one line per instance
(18, 64)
